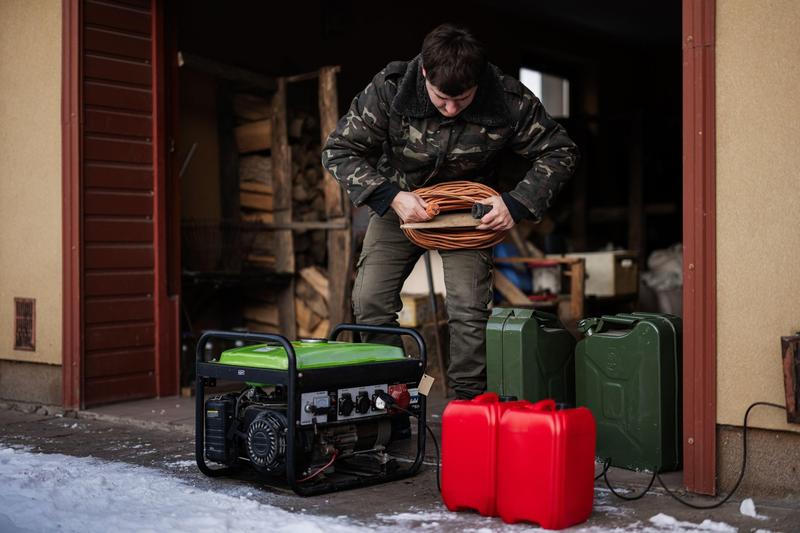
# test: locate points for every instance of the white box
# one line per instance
(613, 273)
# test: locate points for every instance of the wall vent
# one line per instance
(25, 324)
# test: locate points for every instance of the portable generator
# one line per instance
(318, 415)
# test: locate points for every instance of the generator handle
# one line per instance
(247, 337)
(291, 407)
(365, 328)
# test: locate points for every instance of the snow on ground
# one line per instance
(57, 492)
(41, 492)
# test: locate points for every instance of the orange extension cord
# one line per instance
(454, 196)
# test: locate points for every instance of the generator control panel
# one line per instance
(341, 404)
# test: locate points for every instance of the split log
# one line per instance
(254, 136)
(256, 187)
(256, 200)
(262, 217)
(312, 299)
(255, 169)
(306, 318)
(250, 108)
(318, 280)
(322, 330)
(264, 314)
(263, 261)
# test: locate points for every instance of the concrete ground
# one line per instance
(159, 434)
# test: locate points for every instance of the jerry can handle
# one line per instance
(613, 319)
(486, 397)
(548, 405)
(589, 326)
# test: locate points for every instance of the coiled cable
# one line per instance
(448, 197)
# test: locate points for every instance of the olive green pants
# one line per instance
(387, 259)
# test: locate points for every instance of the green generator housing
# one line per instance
(310, 353)
(628, 373)
(529, 355)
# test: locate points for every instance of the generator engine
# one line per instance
(250, 427)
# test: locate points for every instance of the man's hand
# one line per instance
(498, 219)
(410, 207)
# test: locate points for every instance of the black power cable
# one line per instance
(390, 402)
(741, 473)
(657, 475)
(623, 497)
(602, 473)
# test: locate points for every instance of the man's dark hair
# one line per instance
(453, 59)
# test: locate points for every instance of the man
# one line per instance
(443, 116)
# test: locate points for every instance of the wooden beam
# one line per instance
(577, 286)
(313, 75)
(228, 155)
(337, 206)
(227, 72)
(266, 221)
(282, 183)
(287, 317)
(510, 291)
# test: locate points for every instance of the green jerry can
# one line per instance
(529, 355)
(628, 373)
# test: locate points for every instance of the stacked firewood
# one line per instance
(253, 139)
(310, 306)
(308, 197)
(311, 303)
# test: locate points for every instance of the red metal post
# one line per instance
(166, 338)
(699, 241)
(72, 312)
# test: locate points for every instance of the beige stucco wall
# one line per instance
(30, 172)
(758, 201)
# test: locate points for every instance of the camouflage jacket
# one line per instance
(393, 138)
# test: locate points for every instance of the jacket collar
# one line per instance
(487, 109)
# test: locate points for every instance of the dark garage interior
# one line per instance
(621, 104)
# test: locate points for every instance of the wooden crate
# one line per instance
(614, 273)
(417, 309)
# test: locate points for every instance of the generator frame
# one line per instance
(297, 381)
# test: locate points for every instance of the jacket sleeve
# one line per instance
(358, 140)
(544, 142)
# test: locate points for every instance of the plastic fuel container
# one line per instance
(628, 373)
(469, 452)
(529, 355)
(546, 465)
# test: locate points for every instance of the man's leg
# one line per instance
(468, 278)
(386, 260)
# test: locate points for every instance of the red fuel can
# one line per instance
(469, 452)
(546, 465)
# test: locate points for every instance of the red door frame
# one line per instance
(699, 232)
(71, 153)
(166, 308)
(699, 248)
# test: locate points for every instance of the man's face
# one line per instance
(448, 105)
